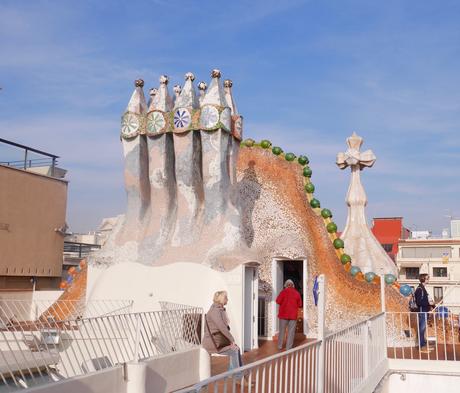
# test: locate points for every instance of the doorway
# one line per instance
(295, 270)
(250, 307)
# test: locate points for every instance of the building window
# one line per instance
(412, 273)
(438, 294)
(388, 247)
(426, 252)
(440, 272)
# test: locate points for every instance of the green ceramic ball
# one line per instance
(354, 270)
(390, 279)
(314, 203)
(249, 142)
(290, 157)
(303, 160)
(345, 258)
(369, 276)
(307, 171)
(265, 144)
(310, 188)
(338, 243)
(331, 227)
(277, 150)
(326, 213)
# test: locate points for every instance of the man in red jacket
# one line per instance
(289, 303)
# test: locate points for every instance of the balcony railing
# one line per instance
(16, 312)
(343, 361)
(79, 250)
(353, 360)
(27, 160)
(289, 371)
(440, 329)
(350, 360)
(45, 349)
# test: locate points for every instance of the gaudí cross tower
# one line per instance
(180, 157)
(364, 249)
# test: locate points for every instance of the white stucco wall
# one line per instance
(181, 282)
(47, 296)
(110, 380)
(176, 370)
(162, 374)
(407, 382)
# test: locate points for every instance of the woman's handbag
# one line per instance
(218, 339)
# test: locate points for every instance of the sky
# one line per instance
(306, 74)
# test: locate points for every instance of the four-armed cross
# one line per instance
(360, 243)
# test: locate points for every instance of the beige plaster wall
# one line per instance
(31, 207)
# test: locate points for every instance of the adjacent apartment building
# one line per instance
(388, 231)
(438, 257)
(33, 198)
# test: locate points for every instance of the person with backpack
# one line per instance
(424, 306)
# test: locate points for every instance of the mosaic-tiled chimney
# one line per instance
(180, 171)
(189, 179)
(136, 165)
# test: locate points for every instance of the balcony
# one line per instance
(159, 351)
(17, 156)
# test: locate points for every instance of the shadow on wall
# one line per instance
(154, 382)
(249, 190)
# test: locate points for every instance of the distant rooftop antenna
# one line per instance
(450, 216)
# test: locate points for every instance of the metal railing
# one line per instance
(79, 250)
(44, 350)
(441, 334)
(26, 161)
(14, 312)
(341, 362)
(290, 371)
(353, 354)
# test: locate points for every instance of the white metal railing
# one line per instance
(354, 354)
(442, 335)
(351, 356)
(289, 371)
(341, 362)
(14, 311)
(43, 350)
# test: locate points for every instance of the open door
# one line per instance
(304, 297)
(250, 298)
(296, 270)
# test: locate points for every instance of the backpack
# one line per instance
(413, 304)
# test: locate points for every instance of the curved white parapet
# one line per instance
(181, 282)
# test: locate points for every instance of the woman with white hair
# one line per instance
(289, 302)
(217, 337)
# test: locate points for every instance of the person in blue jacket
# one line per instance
(424, 306)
